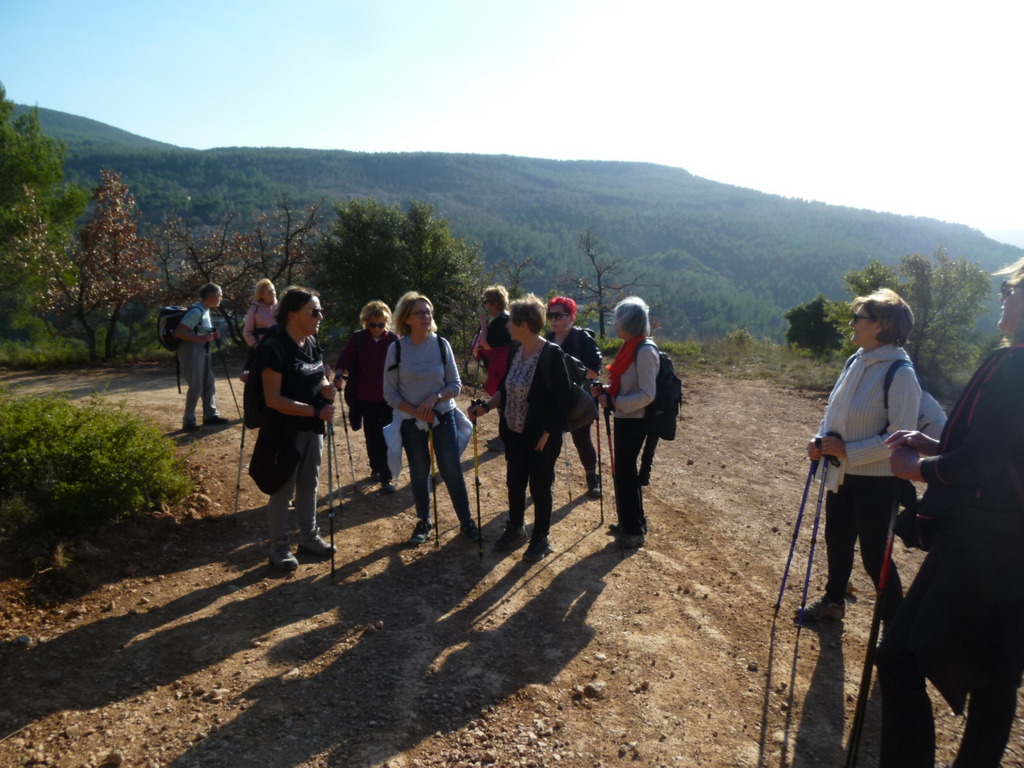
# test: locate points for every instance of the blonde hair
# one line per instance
(373, 309)
(888, 309)
(263, 286)
(1016, 277)
(528, 310)
(496, 294)
(405, 307)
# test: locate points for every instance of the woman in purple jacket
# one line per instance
(363, 359)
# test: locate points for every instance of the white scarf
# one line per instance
(838, 409)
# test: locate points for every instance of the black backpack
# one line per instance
(253, 402)
(581, 410)
(662, 414)
(167, 323)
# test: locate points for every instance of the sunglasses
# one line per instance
(376, 325)
(557, 315)
(1005, 290)
(857, 317)
(316, 313)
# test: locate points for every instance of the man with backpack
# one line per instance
(196, 331)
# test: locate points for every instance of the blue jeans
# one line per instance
(446, 453)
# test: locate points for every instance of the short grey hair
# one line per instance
(632, 316)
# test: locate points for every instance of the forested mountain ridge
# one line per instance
(709, 256)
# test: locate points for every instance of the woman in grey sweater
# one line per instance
(421, 382)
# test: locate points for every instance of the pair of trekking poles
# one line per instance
(860, 711)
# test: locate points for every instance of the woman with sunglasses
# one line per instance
(421, 382)
(362, 360)
(577, 342)
(494, 342)
(851, 440)
(961, 625)
(299, 400)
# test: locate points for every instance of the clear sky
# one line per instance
(903, 106)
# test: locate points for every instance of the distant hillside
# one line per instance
(86, 134)
(710, 257)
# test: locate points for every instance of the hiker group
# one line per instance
(960, 624)
(401, 382)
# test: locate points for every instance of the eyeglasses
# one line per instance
(857, 317)
(1005, 290)
(423, 313)
(316, 313)
(557, 315)
(376, 325)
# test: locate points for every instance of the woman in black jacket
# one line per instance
(577, 342)
(961, 624)
(533, 397)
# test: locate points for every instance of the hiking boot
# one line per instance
(216, 421)
(593, 485)
(496, 444)
(632, 540)
(471, 532)
(823, 609)
(421, 533)
(374, 477)
(317, 546)
(281, 556)
(538, 550)
(387, 488)
(192, 428)
(510, 538)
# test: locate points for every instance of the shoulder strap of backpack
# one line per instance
(645, 343)
(890, 374)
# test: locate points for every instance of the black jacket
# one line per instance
(548, 398)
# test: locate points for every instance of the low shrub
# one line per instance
(70, 467)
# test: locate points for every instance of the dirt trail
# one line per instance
(185, 649)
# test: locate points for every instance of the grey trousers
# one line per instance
(304, 482)
(197, 371)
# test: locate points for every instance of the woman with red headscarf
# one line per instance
(577, 342)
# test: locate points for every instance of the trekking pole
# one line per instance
(330, 491)
(860, 711)
(227, 375)
(348, 445)
(241, 454)
(796, 531)
(433, 485)
(568, 479)
(476, 478)
(600, 480)
(814, 540)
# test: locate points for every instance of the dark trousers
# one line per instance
(585, 448)
(376, 415)
(527, 466)
(629, 500)
(860, 509)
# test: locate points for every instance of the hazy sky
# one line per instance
(909, 107)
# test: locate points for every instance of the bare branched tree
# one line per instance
(602, 291)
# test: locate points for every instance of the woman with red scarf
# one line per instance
(631, 388)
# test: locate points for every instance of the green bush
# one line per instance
(69, 467)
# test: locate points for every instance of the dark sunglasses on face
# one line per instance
(1005, 290)
(376, 325)
(857, 317)
(557, 315)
